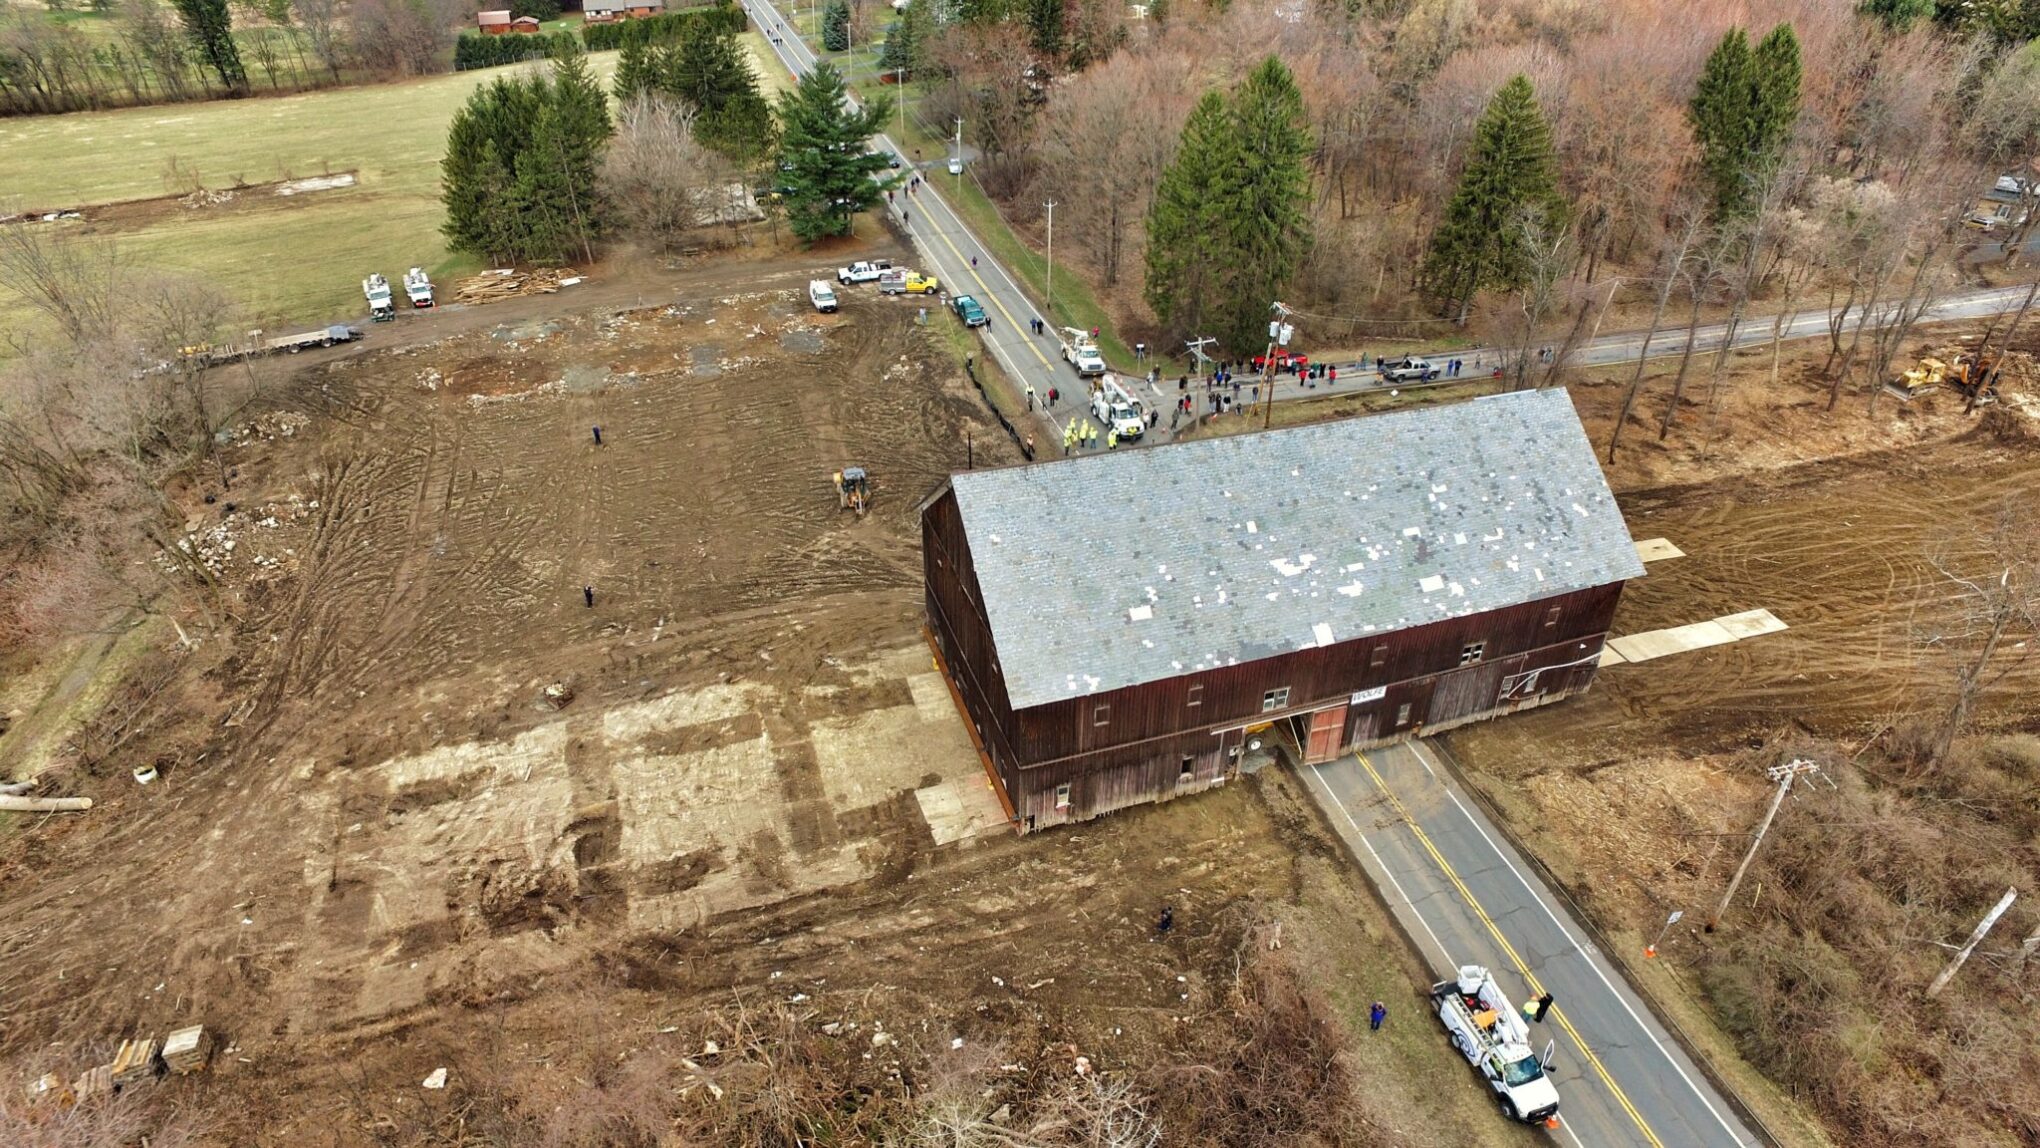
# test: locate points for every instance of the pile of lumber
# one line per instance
(493, 286)
(186, 1049)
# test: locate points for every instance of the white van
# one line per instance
(822, 296)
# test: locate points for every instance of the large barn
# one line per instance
(1122, 627)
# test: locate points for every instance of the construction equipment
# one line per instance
(380, 307)
(1079, 350)
(853, 489)
(418, 286)
(1973, 376)
(1495, 1039)
(1118, 410)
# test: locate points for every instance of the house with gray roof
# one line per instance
(1135, 625)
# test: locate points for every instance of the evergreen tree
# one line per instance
(906, 41)
(825, 160)
(1743, 112)
(1184, 259)
(580, 121)
(1509, 174)
(1264, 206)
(637, 71)
(1045, 26)
(711, 73)
(836, 26)
(518, 176)
(211, 28)
(1898, 15)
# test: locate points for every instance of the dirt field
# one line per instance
(378, 846)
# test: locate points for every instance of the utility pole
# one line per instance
(1197, 355)
(1050, 205)
(901, 84)
(959, 154)
(1975, 939)
(1784, 775)
(1278, 334)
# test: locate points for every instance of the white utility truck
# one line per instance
(1119, 411)
(418, 286)
(822, 296)
(377, 289)
(1495, 1039)
(1082, 353)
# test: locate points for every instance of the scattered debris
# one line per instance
(436, 1080)
(558, 695)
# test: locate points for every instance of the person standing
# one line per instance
(1168, 920)
(1331, 376)
(1030, 397)
(1053, 395)
(588, 596)
(598, 436)
(1069, 437)
(1376, 1014)
(1112, 439)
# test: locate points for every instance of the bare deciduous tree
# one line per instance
(661, 184)
(1996, 583)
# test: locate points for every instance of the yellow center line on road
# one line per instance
(1495, 931)
(963, 260)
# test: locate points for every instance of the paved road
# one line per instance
(953, 254)
(1623, 347)
(1463, 892)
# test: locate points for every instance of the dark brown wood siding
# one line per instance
(1179, 735)
(1409, 661)
(956, 614)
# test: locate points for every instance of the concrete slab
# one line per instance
(961, 807)
(1657, 549)
(1610, 656)
(1677, 640)
(1751, 623)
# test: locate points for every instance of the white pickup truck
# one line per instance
(1495, 1039)
(863, 271)
(822, 296)
(1410, 370)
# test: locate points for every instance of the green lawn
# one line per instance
(290, 261)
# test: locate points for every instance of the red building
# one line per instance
(1130, 626)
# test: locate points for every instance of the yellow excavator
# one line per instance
(853, 489)
(1973, 376)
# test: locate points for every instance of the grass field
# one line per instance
(289, 261)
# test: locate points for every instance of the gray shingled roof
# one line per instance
(1143, 564)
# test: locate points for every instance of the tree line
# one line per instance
(537, 171)
(142, 52)
(1516, 176)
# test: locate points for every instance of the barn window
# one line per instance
(1402, 714)
(1380, 657)
(1194, 696)
(1062, 796)
(1101, 714)
(1551, 616)
(1275, 699)
(1189, 771)
(1472, 652)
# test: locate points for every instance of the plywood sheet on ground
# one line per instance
(1694, 636)
(1657, 549)
(960, 807)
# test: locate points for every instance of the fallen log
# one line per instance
(9, 803)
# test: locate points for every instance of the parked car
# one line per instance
(1284, 361)
(863, 271)
(968, 310)
(1409, 370)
